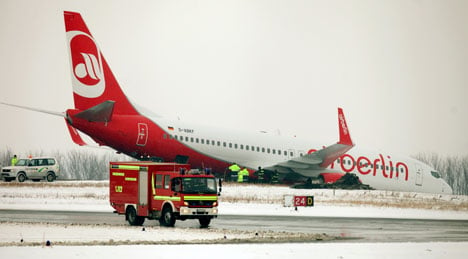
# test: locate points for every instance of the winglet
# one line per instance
(75, 135)
(345, 137)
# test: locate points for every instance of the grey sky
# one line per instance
(398, 68)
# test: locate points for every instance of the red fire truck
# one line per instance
(164, 191)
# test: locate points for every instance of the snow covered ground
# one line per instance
(119, 241)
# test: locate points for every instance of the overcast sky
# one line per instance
(398, 68)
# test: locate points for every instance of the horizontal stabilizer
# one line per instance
(99, 113)
(61, 114)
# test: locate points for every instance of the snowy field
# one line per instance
(92, 241)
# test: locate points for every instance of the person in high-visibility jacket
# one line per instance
(241, 174)
(234, 168)
(14, 160)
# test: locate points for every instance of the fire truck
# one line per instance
(163, 191)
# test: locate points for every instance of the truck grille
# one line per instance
(200, 204)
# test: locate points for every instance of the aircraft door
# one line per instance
(142, 134)
(419, 175)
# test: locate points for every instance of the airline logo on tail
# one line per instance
(88, 78)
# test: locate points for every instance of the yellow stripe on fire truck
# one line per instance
(165, 198)
(200, 198)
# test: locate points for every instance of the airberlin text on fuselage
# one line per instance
(363, 165)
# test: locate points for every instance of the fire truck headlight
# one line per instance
(215, 204)
(185, 203)
(184, 211)
(215, 210)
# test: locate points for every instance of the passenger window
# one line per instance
(230, 145)
(202, 141)
(186, 139)
(196, 140)
(285, 153)
(235, 146)
(50, 161)
(241, 146)
(263, 149)
(274, 152)
(164, 136)
(218, 143)
(191, 139)
(247, 147)
(224, 144)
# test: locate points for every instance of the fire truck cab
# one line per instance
(164, 191)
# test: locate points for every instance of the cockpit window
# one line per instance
(435, 174)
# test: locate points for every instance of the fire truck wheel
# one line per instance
(204, 222)
(132, 217)
(167, 218)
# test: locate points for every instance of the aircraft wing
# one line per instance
(313, 164)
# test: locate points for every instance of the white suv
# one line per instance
(35, 169)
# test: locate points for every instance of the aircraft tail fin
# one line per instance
(92, 79)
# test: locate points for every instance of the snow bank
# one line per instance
(246, 251)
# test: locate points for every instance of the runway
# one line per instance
(356, 229)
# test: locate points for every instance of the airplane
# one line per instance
(103, 112)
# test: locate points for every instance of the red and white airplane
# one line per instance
(103, 112)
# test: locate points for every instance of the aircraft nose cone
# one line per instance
(446, 189)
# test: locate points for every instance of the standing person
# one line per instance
(14, 160)
(260, 175)
(234, 168)
(241, 174)
(275, 177)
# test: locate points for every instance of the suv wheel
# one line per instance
(50, 176)
(21, 177)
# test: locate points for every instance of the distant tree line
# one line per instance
(453, 169)
(74, 164)
(84, 164)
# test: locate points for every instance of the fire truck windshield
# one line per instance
(198, 185)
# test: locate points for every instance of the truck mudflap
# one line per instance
(196, 212)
